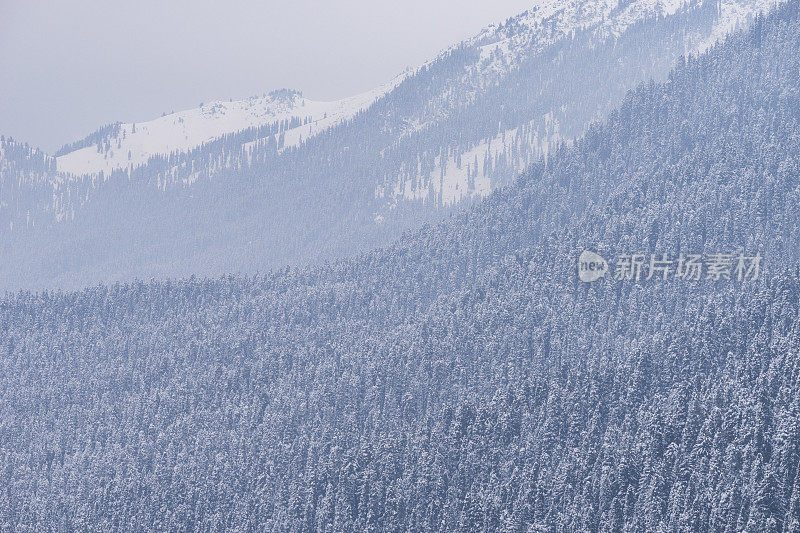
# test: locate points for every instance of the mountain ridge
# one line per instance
(449, 133)
(521, 34)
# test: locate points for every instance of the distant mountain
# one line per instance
(463, 378)
(123, 146)
(261, 183)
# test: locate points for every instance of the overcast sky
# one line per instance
(67, 67)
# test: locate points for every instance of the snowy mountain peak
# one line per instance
(128, 145)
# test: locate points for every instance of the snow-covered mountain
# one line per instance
(501, 49)
(281, 179)
(129, 145)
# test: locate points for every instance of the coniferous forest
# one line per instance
(461, 378)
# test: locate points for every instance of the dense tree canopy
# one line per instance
(461, 378)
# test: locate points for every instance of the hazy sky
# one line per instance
(67, 67)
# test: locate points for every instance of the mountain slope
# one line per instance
(463, 378)
(460, 126)
(284, 112)
(501, 50)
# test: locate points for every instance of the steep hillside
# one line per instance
(257, 198)
(26, 185)
(462, 379)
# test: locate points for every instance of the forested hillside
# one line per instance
(461, 378)
(291, 192)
